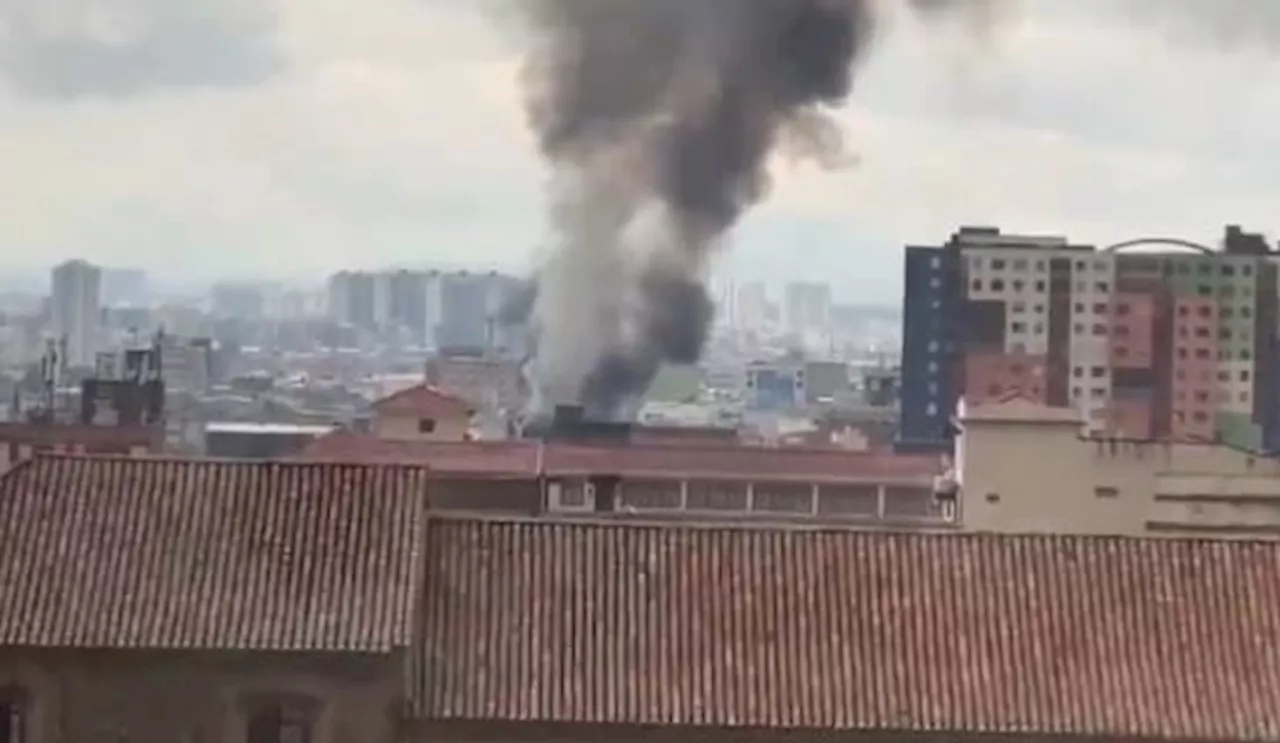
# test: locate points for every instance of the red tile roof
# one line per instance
(157, 553)
(528, 458)
(681, 625)
(423, 400)
(488, 459)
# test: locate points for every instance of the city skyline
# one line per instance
(318, 144)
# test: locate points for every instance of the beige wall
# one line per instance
(163, 698)
(1042, 477)
(405, 428)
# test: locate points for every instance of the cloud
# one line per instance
(74, 48)
(396, 134)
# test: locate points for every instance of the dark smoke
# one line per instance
(661, 116)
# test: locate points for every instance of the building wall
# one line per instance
(409, 428)
(930, 309)
(1043, 477)
(162, 697)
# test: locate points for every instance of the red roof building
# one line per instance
(169, 599)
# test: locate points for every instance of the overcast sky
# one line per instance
(239, 137)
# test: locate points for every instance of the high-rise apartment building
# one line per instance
(75, 306)
(1172, 345)
(448, 310)
(808, 306)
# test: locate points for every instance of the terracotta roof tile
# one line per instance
(497, 459)
(423, 400)
(521, 458)
(592, 623)
(158, 553)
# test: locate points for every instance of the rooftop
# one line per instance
(101, 552)
(637, 459)
(423, 400)
(809, 629)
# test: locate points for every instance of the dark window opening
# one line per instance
(280, 721)
(13, 716)
(426, 425)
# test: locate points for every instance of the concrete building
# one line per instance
(808, 306)
(76, 310)
(422, 413)
(1023, 467)
(272, 602)
(1145, 345)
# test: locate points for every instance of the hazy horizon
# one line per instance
(318, 139)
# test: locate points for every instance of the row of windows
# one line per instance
(977, 263)
(267, 721)
(1223, 396)
(1207, 311)
(779, 499)
(1206, 268)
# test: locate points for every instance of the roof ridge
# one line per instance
(160, 458)
(914, 532)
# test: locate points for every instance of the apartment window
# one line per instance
(1080, 266)
(1020, 264)
(1100, 308)
(1040, 286)
(716, 496)
(1226, 313)
(1204, 290)
(784, 499)
(1202, 353)
(1079, 308)
(1225, 334)
(1205, 311)
(997, 285)
(1244, 397)
(977, 285)
(1202, 332)
(1227, 291)
(1039, 309)
(426, 425)
(1106, 492)
(283, 719)
(1103, 286)
(1183, 310)
(997, 264)
(1244, 375)
(1018, 307)
(1018, 285)
(650, 496)
(1120, 331)
(1246, 270)
(1099, 329)
(1077, 372)
(1246, 312)
(1098, 372)
(13, 715)
(851, 500)
(1018, 327)
(1078, 328)
(1122, 309)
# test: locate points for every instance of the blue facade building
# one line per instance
(931, 317)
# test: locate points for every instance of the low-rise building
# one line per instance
(271, 602)
(1025, 467)
(422, 413)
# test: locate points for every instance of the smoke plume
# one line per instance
(658, 117)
